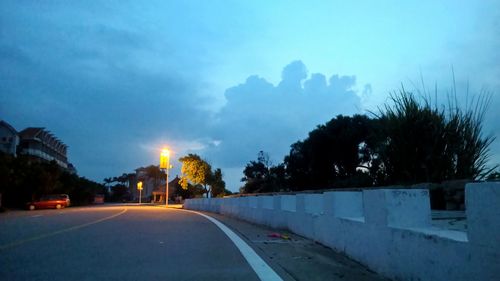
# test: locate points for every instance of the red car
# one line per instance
(57, 201)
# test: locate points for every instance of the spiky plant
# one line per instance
(428, 143)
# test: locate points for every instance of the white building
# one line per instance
(9, 138)
(41, 144)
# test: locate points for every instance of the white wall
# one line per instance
(388, 230)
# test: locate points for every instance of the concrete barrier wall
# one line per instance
(388, 230)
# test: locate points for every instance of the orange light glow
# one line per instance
(164, 158)
(165, 152)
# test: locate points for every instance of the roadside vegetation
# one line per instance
(198, 174)
(408, 140)
(22, 180)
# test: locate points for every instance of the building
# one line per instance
(42, 145)
(152, 178)
(9, 138)
(159, 191)
(154, 185)
(37, 143)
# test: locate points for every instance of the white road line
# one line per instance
(263, 270)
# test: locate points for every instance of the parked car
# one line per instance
(57, 201)
(66, 197)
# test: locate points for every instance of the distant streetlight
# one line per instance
(165, 164)
(139, 187)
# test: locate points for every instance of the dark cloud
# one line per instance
(111, 79)
(105, 80)
(261, 116)
(101, 87)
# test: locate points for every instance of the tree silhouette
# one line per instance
(262, 176)
(217, 183)
(23, 179)
(337, 152)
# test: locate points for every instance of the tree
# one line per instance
(108, 181)
(195, 171)
(125, 179)
(409, 141)
(120, 192)
(337, 153)
(23, 179)
(154, 172)
(262, 176)
(277, 177)
(191, 191)
(218, 184)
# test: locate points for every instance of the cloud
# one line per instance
(103, 87)
(116, 81)
(292, 77)
(261, 116)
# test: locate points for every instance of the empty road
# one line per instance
(130, 242)
(117, 243)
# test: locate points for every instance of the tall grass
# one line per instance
(427, 142)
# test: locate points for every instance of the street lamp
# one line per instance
(139, 187)
(165, 164)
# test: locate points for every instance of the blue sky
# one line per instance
(117, 80)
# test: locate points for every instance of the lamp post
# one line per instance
(165, 164)
(139, 187)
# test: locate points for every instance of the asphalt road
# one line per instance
(130, 242)
(117, 243)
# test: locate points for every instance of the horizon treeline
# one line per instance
(408, 141)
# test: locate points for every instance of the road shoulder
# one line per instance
(296, 258)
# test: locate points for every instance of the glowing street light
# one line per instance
(139, 187)
(165, 164)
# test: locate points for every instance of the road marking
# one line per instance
(20, 242)
(263, 270)
(36, 216)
